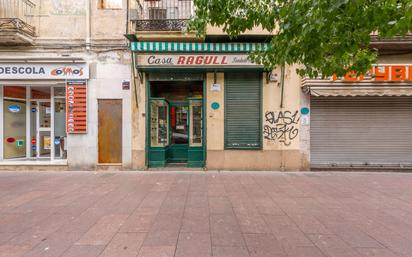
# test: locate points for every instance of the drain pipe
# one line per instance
(88, 24)
(134, 78)
(282, 84)
(282, 92)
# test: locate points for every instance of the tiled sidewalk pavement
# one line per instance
(82, 214)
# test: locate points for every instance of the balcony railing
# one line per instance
(163, 15)
(16, 15)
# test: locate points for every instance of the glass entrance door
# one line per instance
(179, 117)
(41, 141)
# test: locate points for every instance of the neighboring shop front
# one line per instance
(42, 104)
(362, 122)
(207, 105)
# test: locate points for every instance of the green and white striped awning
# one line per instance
(197, 47)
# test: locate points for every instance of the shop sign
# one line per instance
(76, 106)
(194, 60)
(126, 85)
(44, 71)
(20, 143)
(385, 73)
(46, 142)
(14, 108)
(215, 88)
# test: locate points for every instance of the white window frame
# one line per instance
(1, 123)
(28, 118)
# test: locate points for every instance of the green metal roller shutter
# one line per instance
(243, 110)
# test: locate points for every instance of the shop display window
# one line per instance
(196, 123)
(14, 128)
(159, 123)
(34, 124)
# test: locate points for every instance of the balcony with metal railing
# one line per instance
(16, 25)
(162, 15)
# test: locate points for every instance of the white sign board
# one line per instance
(193, 60)
(215, 88)
(44, 71)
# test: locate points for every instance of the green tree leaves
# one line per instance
(325, 36)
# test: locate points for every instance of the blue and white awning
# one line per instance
(180, 47)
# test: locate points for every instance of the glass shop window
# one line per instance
(196, 123)
(159, 123)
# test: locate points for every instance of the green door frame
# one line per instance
(148, 99)
(178, 149)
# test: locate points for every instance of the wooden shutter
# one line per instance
(243, 110)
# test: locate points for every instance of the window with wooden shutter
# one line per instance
(157, 13)
(243, 110)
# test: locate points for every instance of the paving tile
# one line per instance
(5, 237)
(124, 245)
(285, 229)
(230, 251)
(25, 198)
(102, 232)
(198, 224)
(8, 250)
(251, 223)
(220, 205)
(196, 211)
(161, 238)
(54, 245)
(263, 245)
(157, 251)
(167, 222)
(355, 237)
(138, 223)
(84, 251)
(331, 245)
(225, 231)
(194, 244)
(39, 232)
(308, 224)
(303, 251)
(376, 252)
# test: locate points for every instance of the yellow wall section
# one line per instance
(215, 118)
(139, 122)
(272, 109)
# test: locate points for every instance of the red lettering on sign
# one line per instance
(410, 73)
(190, 60)
(208, 60)
(398, 73)
(181, 60)
(215, 60)
(381, 75)
(351, 76)
(199, 60)
(224, 60)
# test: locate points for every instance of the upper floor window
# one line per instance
(111, 4)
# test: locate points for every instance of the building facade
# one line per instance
(75, 93)
(202, 103)
(64, 85)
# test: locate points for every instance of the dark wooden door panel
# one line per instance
(110, 131)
